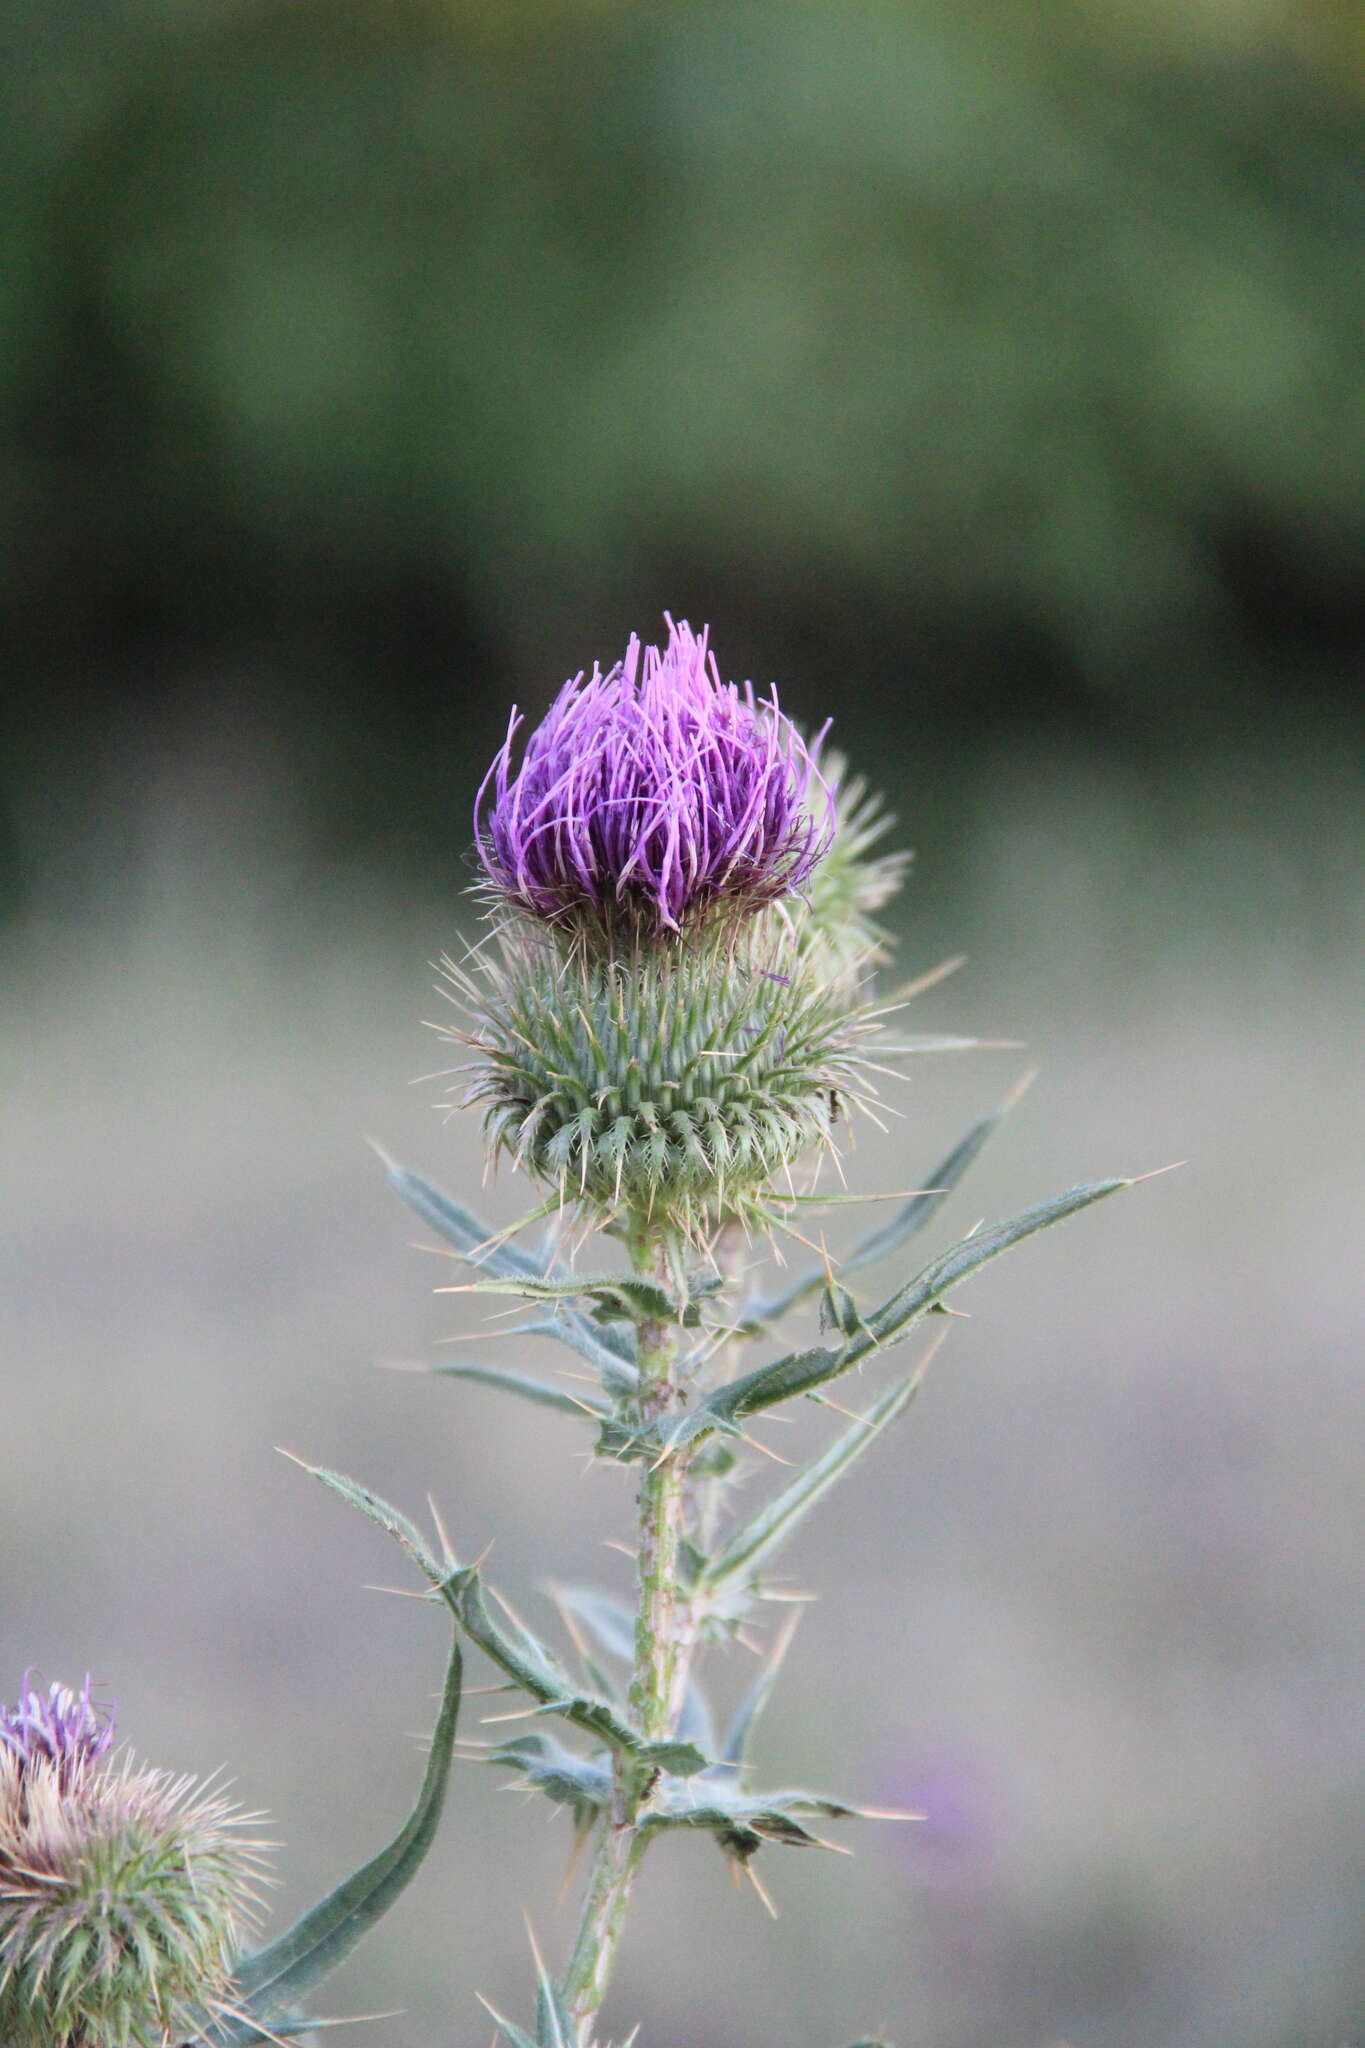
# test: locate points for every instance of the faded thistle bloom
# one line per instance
(124, 1892)
(650, 797)
(665, 1025)
(59, 1727)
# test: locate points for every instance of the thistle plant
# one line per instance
(668, 1025)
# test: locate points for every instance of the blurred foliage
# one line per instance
(1008, 356)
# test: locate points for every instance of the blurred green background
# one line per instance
(990, 377)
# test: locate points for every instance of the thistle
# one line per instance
(651, 798)
(124, 1892)
(669, 1026)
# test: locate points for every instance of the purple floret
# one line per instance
(62, 1727)
(651, 794)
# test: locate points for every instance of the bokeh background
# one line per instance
(991, 378)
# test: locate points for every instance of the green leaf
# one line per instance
(889, 1237)
(581, 1783)
(479, 1244)
(719, 1807)
(522, 1384)
(597, 1345)
(800, 1372)
(320, 1939)
(508, 1642)
(609, 1621)
(753, 1546)
(554, 2028)
(615, 1298)
(474, 1239)
(740, 1732)
(513, 2032)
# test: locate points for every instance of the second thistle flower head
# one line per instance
(651, 797)
(123, 1891)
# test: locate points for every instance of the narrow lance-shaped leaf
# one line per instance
(759, 1540)
(474, 1239)
(615, 1297)
(514, 2033)
(554, 2029)
(511, 1646)
(478, 1243)
(889, 1237)
(802, 1371)
(618, 1374)
(740, 1732)
(525, 1386)
(279, 1974)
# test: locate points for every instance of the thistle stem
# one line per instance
(656, 1682)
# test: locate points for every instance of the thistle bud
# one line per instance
(839, 931)
(650, 800)
(124, 1892)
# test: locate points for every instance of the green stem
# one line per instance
(657, 1681)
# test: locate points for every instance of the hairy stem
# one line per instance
(657, 1680)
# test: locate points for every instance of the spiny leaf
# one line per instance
(378, 1510)
(890, 1236)
(763, 1536)
(321, 1939)
(609, 1620)
(478, 1243)
(802, 1371)
(528, 1388)
(554, 2029)
(615, 1298)
(474, 1239)
(719, 1807)
(741, 1729)
(513, 2032)
(510, 1645)
(597, 1344)
(581, 1783)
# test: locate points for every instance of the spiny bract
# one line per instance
(837, 927)
(124, 1893)
(676, 1086)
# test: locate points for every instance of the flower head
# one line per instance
(650, 796)
(63, 1728)
(124, 1891)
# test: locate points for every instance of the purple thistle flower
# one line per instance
(62, 1727)
(650, 795)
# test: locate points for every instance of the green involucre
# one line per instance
(678, 1084)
